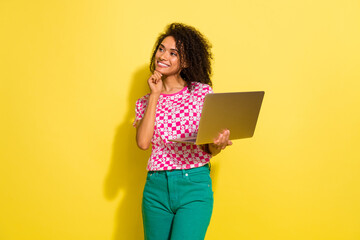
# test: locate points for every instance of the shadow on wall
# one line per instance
(127, 171)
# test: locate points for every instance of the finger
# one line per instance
(156, 71)
(223, 134)
(153, 78)
(222, 141)
(158, 74)
(158, 77)
(224, 146)
(227, 132)
(227, 136)
(227, 143)
(218, 140)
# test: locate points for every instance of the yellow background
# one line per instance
(71, 72)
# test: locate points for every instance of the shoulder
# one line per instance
(201, 88)
(143, 100)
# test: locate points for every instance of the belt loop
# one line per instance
(209, 166)
(183, 172)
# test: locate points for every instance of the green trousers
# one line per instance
(177, 204)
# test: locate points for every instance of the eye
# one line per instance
(173, 54)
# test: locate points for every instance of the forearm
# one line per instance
(145, 128)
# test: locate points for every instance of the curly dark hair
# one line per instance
(194, 50)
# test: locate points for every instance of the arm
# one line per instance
(145, 127)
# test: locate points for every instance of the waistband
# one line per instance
(206, 167)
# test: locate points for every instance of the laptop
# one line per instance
(236, 111)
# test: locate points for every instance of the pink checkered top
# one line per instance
(177, 115)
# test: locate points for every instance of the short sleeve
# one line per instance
(140, 107)
(200, 90)
(205, 89)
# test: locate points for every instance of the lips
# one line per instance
(161, 64)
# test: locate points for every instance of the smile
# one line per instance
(162, 64)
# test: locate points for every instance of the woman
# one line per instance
(178, 198)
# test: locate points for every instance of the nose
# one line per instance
(163, 56)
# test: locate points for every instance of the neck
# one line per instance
(173, 83)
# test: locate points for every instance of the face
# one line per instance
(167, 57)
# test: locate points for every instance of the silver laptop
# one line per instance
(236, 111)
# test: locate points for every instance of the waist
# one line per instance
(206, 167)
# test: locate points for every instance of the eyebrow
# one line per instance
(170, 49)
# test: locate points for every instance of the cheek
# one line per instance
(176, 63)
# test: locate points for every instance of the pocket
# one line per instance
(201, 177)
(149, 175)
(201, 183)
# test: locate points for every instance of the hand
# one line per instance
(155, 82)
(222, 140)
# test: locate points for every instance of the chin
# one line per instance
(160, 71)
